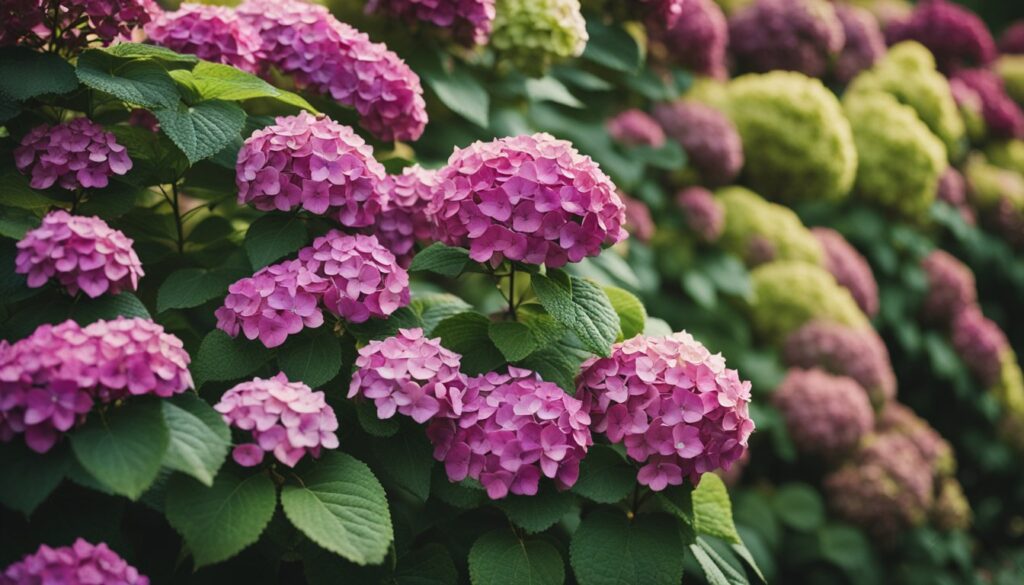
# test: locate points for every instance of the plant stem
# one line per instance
(177, 218)
(512, 293)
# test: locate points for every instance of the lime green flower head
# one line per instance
(1009, 392)
(789, 294)
(796, 141)
(907, 72)
(900, 160)
(951, 510)
(752, 224)
(533, 34)
(1011, 69)
(1007, 154)
(989, 184)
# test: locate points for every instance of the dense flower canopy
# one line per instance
(1003, 117)
(78, 22)
(81, 563)
(404, 218)
(864, 42)
(213, 33)
(78, 154)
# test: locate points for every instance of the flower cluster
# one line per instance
(849, 268)
(82, 563)
(532, 199)
(796, 35)
(470, 21)
(78, 22)
(759, 231)
(1012, 39)
(635, 128)
(20, 17)
(78, 154)
(213, 33)
(694, 34)
(702, 214)
(864, 44)
(677, 408)
(285, 418)
(517, 429)
(951, 510)
(404, 219)
(953, 191)
(639, 222)
(954, 34)
(980, 343)
(312, 162)
(713, 147)
(826, 415)
(330, 57)
(1003, 117)
(83, 253)
(898, 419)
(533, 34)
(951, 288)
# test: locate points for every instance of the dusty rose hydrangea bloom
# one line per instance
(78, 154)
(82, 563)
(857, 353)
(1012, 39)
(635, 128)
(82, 253)
(953, 190)
(849, 268)
(795, 35)
(639, 222)
(213, 33)
(1003, 117)
(864, 44)
(676, 407)
(79, 22)
(517, 429)
(19, 18)
(412, 375)
(531, 199)
(951, 288)
(693, 32)
(310, 162)
(936, 451)
(405, 218)
(470, 21)
(826, 415)
(701, 212)
(980, 343)
(710, 139)
(954, 34)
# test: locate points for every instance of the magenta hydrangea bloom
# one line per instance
(694, 33)
(826, 415)
(1008, 220)
(19, 18)
(980, 343)
(1012, 39)
(635, 128)
(952, 189)
(701, 212)
(517, 429)
(213, 33)
(405, 218)
(412, 375)
(859, 354)
(362, 278)
(712, 144)
(849, 268)
(531, 199)
(470, 21)
(82, 253)
(78, 154)
(306, 42)
(676, 407)
(865, 43)
(1003, 117)
(312, 162)
(286, 418)
(79, 22)
(639, 222)
(951, 288)
(144, 119)
(954, 34)
(82, 563)
(136, 357)
(795, 35)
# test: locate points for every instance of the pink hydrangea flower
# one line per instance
(953, 190)
(531, 199)
(286, 418)
(635, 128)
(82, 563)
(411, 375)
(144, 119)
(849, 268)
(857, 353)
(980, 343)
(1007, 219)
(693, 32)
(136, 357)
(865, 43)
(710, 139)
(78, 154)
(954, 34)
(675, 407)
(826, 415)
(278, 301)
(312, 162)
(1012, 39)
(213, 33)
(79, 22)
(405, 218)
(470, 21)
(304, 41)
(362, 278)
(639, 222)
(898, 419)
(701, 213)
(796, 35)
(951, 288)
(517, 429)
(83, 253)
(1003, 117)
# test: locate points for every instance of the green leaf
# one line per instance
(272, 237)
(467, 334)
(199, 439)
(501, 558)
(108, 307)
(544, 328)
(223, 82)
(609, 549)
(701, 289)
(16, 222)
(611, 46)
(404, 318)
(728, 274)
(514, 340)
(440, 259)
(123, 447)
(144, 51)
(712, 510)
(342, 507)
(203, 129)
(28, 477)
(459, 91)
(434, 308)
(582, 306)
(430, 565)
(799, 506)
(9, 109)
(314, 359)
(366, 413)
(219, 521)
(605, 477)
(656, 327)
(539, 512)
(222, 358)
(631, 312)
(25, 74)
(141, 82)
(551, 90)
(407, 459)
(18, 193)
(844, 546)
(192, 287)
(716, 569)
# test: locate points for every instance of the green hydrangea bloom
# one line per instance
(951, 510)
(749, 218)
(796, 142)
(907, 72)
(989, 183)
(1011, 69)
(900, 160)
(533, 34)
(1008, 154)
(1009, 392)
(789, 294)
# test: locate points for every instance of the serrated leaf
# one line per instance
(631, 311)
(514, 340)
(16, 222)
(407, 459)
(223, 82)
(799, 506)
(192, 287)
(108, 307)
(459, 91)
(538, 512)
(199, 439)
(28, 477)
(434, 308)
(220, 521)
(716, 570)
(141, 81)
(583, 307)
(25, 74)
(545, 329)
(18, 193)
(605, 477)
(203, 129)
(366, 413)
(314, 359)
(501, 558)
(466, 334)
(140, 50)
(701, 289)
(223, 358)
(712, 510)
(123, 447)
(273, 236)
(440, 259)
(342, 507)
(609, 549)
(458, 494)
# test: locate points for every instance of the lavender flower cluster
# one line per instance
(702, 214)
(850, 269)
(635, 128)
(81, 563)
(1003, 117)
(694, 34)
(954, 34)
(404, 220)
(857, 353)
(78, 154)
(826, 415)
(795, 35)
(78, 22)
(710, 139)
(213, 33)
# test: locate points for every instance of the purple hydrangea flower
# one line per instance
(693, 32)
(78, 154)
(795, 35)
(953, 190)
(826, 415)
(1003, 117)
(286, 418)
(411, 375)
(517, 429)
(144, 119)
(83, 253)
(312, 162)
(470, 21)
(676, 407)
(20, 17)
(898, 419)
(710, 139)
(332, 58)
(980, 343)
(1008, 220)
(951, 288)
(849, 268)
(639, 222)
(82, 563)
(635, 128)
(79, 22)
(213, 33)
(531, 199)
(405, 218)
(701, 212)
(954, 34)
(865, 43)
(1012, 39)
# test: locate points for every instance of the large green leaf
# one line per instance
(192, 287)
(15, 222)
(799, 506)
(611, 46)
(514, 340)
(199, 439)
(203, 129)
(609, 549)
(467, 335)
(341, 506)
(551, 90)
(605, 477)
(223, 358)
(29, 477)
(108, 307)
(538, 512)
(716, 569)
(459, 91)
(18, 193)
(502, 558)
(141, 82)
(430, 565)
(223, 82)
(441, 259)
(582, 306)
(434, 308)
(632, 315)
(25, 74)
(145, 51)
(406, 459)
(712, 510)
(313, 359)
(273, 236)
